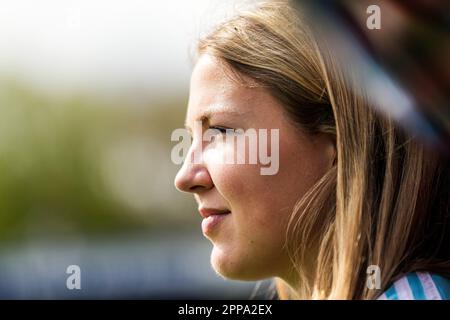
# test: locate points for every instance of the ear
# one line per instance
(330, 148)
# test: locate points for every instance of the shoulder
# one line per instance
(418, 286)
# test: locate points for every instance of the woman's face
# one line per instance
(246, 212)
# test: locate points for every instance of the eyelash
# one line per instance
(222, 130)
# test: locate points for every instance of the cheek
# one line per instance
(260, 197)
(237, 183)
(259, 208)
(233, 180)
(264, 202)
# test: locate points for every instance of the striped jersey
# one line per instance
(418, 286)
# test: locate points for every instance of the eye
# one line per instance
(222, 130)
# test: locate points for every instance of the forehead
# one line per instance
(214, 89)
(212, 70)
(208, 68)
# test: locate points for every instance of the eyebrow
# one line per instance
(210, 112)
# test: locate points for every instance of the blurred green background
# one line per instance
(78, 165)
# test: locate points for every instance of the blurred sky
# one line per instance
(104, 46)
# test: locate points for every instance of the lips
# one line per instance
(206, 212)
(212, 218)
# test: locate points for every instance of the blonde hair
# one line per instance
(386, 200)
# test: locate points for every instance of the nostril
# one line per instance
(195, 188)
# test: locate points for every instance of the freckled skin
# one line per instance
(248, 244)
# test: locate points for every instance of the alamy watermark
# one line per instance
(373, 277)
(229, 146)
(373, 21)
(73, 281)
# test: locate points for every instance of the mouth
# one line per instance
(212, 218)
(207, 212)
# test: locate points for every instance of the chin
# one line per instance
(234, 268)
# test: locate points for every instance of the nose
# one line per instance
(193, 176)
